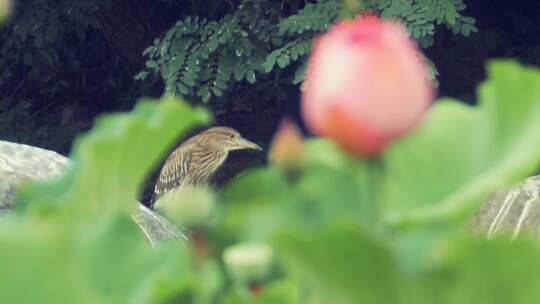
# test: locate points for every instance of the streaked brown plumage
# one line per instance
(195, 161)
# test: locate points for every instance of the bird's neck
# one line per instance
(205, 172)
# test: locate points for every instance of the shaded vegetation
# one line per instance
(65, 62)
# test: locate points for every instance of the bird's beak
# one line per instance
(242, 143)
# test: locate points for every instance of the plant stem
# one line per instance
(349, 8)
(375, 168)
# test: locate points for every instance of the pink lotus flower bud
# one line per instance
(366, 85)
(287, 150)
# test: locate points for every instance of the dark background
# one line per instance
(93, 74)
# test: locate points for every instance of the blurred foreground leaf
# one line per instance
(324, 225)
(73, 239)
(343, 265)
(461, 154)
(108, 262)
(111, 162)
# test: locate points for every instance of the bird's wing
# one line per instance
(174, 170)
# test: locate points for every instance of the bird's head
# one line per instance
(195, 161)
(227, 139)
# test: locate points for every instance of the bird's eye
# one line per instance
(231, 136)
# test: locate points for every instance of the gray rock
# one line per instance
(155, 227)
(21, 162)
(511, 212)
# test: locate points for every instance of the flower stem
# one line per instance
(374, 171)
(349, 8)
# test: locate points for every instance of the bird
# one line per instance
(195, 162)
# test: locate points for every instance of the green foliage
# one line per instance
(106, 262)
(355, 267)
(37, 40)
(146, 132)
(422, 16)
(204, 59)
(349, 231)
(336, 230)
(57, 64)
(76, 233)
(70, 60)
(500, 139)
